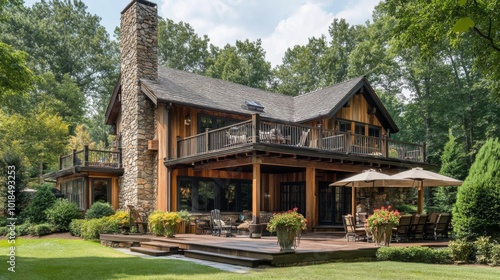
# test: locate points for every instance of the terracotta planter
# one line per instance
(286, 238)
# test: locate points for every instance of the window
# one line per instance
(213, 122)
(205, 194)
(73, 191)
(293, 195)
(359, 129)
(374, 131)
(344, 126)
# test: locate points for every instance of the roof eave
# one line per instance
(114, 103)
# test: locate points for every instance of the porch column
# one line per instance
(311, 202)
(420, 201)
(256, 191)
(161, 135)
(353, 202)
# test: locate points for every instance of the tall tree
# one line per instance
(181, 48)
(243, 63)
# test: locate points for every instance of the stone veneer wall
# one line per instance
(139, 60)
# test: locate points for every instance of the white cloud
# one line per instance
(358, 12)
(307, 21)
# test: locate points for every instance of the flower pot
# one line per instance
(382, 234)
(286, 238)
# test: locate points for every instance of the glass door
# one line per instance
(333, 202)
(101, 190)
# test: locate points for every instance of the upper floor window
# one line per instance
(359, 129)
(374, 131)
(213, 122)
(344, 126)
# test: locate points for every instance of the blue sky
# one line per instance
(281, 24)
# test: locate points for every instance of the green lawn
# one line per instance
(53, 258)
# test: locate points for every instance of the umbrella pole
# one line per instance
(420, 197)
(353, 202)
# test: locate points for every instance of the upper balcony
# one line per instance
(89, 160)
(293, 138)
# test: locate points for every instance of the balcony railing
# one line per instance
(307, 137)
(91, 157)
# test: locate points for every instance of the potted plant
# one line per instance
(170, 220)
(287, 226)
(123, 220)
(381, 223)
(163, 223)
(184, 217)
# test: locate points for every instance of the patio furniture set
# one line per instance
(411, 227)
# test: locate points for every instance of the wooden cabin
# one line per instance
(198, 143)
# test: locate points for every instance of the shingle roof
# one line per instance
(190, 89)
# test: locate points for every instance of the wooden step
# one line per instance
(161, 246)
(150, 252)
(223, 258)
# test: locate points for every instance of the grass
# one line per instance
(52, 258)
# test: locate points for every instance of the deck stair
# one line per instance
(155, 249)
(224, 258)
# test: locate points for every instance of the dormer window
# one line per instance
(254, 106)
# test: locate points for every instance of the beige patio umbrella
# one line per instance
(425, 178)
(370, 178)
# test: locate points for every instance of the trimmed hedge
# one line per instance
(75, 227)
(414, 254)
(42, 229)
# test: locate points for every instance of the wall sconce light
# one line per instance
(267, 196)
(187, 120)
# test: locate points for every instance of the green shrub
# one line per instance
(61, 214)
(4, 231)
(42, 229)
(407, 208)
(414, 254)
(155, 223)
(91, 229)
(3, 222)
(99, 210)
(43, 200)
(483, 247)
(476, 210)
(24, 229)
(75, 227)
(462, 250)
(494, 255)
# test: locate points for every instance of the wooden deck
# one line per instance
(242, 250)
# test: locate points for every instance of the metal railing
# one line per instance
(281, 133)
(91, 157)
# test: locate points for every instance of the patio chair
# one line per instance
(418, 226)
(218, 225)
(440, 227)
(403, 229)
(303, 138)
(137, 221)
(351, 230)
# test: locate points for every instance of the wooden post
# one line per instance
(353, 202)
(320, 136)
(420, 201)
(256, 195)
(255, 128)
(386, 146)
(60, 163)
(207, 139)
(422, 151)
(86, 155)
(74, 157)
(161, 135)
(120, 159)
(178, 138)
(348, 143)
(311, 189)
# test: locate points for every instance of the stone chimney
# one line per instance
(139, 60)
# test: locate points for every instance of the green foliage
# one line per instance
(477, 211)
(42, 229)
(243, 64)
(414, 254)
(12, 156)
(155, 223)
(75, 227)
(462, 250)
(92, 228)
(483, 246)
(290, 219)
(15, 76)
(180, 47)
(406, 208)
(98, 210)
(4, 231)
(43, 200)
(453, 164)
(495, 255)
(62, 213)
(25, 229)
